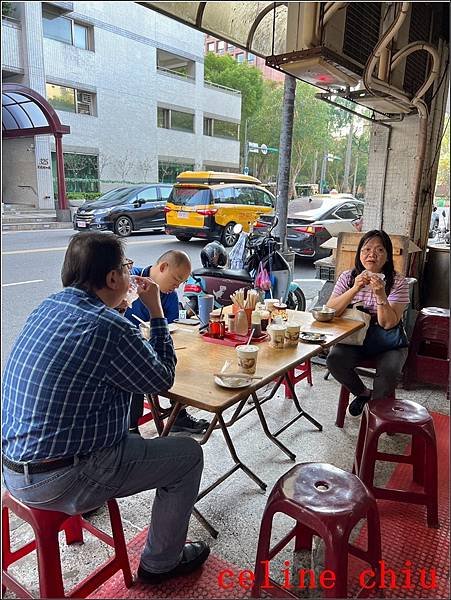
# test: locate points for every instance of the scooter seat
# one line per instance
(239, 275)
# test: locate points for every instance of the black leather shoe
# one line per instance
(355, 409)
(186, 423)
(194, 555)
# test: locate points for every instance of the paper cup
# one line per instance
(145, 331)
(269, 303)
(247, 358)
(277, 336)
(292, 334)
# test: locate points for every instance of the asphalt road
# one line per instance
(31, 265)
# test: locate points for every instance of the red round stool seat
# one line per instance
(325, 501)
(46, 525)
(400, 416)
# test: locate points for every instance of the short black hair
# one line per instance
(89, 258)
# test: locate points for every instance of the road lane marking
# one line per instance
(23, 282)
(64, 248)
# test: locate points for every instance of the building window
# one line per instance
(222, 129)
(250, 57)
(168, 171)
(208, 126)
(239, 57)
(81, 172)
(70, 99)
(174, 64)
(230, 47)
(175, 119)
(66, 30)
(220, 48)
(211, 46)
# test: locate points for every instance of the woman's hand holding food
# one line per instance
(378, 286)
(360, 282)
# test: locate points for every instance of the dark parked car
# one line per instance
(125, 209)
(308, 217)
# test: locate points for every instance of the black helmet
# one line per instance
(213, 255)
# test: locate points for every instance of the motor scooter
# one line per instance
(221, 282)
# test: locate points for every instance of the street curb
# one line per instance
(36, 226)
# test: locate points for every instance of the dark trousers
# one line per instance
(137, 409)
(342, 361)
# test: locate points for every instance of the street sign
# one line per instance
(264, 149)
(253, 147)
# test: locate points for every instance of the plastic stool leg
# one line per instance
(336, 559)
(431, 482)
(418, 458)
(73, 530)
(49, 564)
(343, 402)
(304, 538)
(120, 546)
(264, 540)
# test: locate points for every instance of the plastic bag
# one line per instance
(262, 279)
(358, 337)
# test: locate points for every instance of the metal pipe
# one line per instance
(415, 47)
(422, 108)
(325, 98)
(383, 43)
(329, 10)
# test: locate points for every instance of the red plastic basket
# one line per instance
(233, 339)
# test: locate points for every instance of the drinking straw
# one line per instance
(250, 337)
(140, 320)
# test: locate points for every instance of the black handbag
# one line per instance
(378, 339)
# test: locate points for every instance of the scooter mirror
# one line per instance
(237, 228)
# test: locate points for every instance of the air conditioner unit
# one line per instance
(86, 97)
(347, 40)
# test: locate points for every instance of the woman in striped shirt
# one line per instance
(385, 295)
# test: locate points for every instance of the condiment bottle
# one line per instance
(241, 325)
(232, 323)
(216, 327)
(256, 323)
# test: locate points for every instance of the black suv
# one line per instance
(125, 209)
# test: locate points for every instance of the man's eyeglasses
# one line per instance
(128, 263)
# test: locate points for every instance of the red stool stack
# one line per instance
(46, 524)
(326, 501)
(400, 416)
(428, 358)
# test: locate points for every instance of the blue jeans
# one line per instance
(172, 466)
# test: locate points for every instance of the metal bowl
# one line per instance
(323, 314)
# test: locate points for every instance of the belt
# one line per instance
(41, 467)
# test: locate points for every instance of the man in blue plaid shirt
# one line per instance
(66, 399)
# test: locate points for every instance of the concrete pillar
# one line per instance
(390, 190)
(34, 77)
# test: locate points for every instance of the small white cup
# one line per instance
(292, 334)
(145, 331)
(277, 336)
(247, 358)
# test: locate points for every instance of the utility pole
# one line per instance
(348, 158)
(283, 177)
(322, 181)
(354, 190)
(245, 169)
(315, 167)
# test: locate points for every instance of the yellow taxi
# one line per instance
(208, 204)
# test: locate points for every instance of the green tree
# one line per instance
(443, 177)
(224, 70)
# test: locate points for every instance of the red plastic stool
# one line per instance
(428, 358)
(326, 501)
(400, 416)
(343, 399)
(46, 524)
(302, 371)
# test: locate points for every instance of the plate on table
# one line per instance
(311, 337)
(172, 327)
(233, 382)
